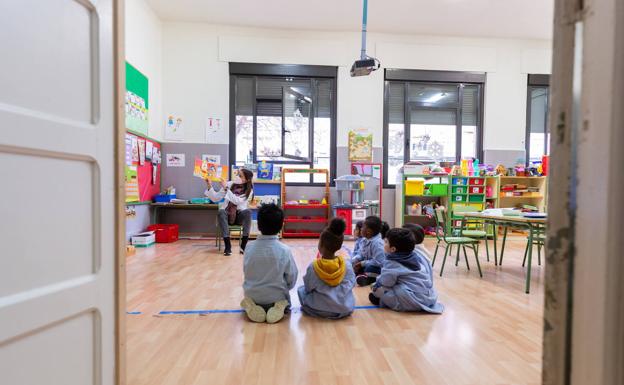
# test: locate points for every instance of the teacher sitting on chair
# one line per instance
(233, 198)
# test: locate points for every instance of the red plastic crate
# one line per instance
(165, 233)
(476, 182)
(477, 189)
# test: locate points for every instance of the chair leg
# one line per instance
(457, 258)
(539, 254)
(526, 251)
(435, 253)
(466, 256)
(500, 260)
(446, 252)
(487, 249)
(478, 264)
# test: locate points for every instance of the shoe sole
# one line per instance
(276, 313)
(254, 312)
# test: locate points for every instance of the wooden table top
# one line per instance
(503, 218)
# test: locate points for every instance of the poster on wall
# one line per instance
(132, 184)
(128, 150)
(211, 158)
(360, 146)
(149, 149)
(213, 130)
(136, 100)
(141, 151)
(135, 149)
(174, 129)
(176, 160)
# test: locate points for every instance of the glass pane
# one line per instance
(433, 135)
(322, 145)
(269, 136)
(470, 113)
(294, 177)
(433, 94)
(538, 121)
(396, 145)
(244, 139)
(297, 109)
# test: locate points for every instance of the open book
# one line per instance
(210, 171)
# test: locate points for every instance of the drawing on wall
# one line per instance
(173, 128)
(175, 160)
(132, 184)
(141, 151)
(211, 158)
(137, 100)
(149, 148)
(360, 146)
(135, 149)
(214, 129)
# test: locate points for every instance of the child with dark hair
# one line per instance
(269, 270)
(384, 229)
(406, 279)
(329, 280)
(368, 261)
(357, 233)
(419, 235)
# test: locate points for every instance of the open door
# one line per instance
(58, 137)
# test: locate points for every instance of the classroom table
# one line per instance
(180, 206)
(531, 224)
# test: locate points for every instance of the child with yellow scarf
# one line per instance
(328, 283)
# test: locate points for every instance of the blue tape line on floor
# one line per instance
(217, 311)
(133, 312)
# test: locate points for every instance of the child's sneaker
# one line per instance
(276, 313)
(374, 300)
(364, 280)
(254, 312)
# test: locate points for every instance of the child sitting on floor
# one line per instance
(329, 280)
(419, 236)
(368, 261)
(406, 279)
(357, 234)
(269, 269)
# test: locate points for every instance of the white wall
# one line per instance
(196, 84)
(144, 52)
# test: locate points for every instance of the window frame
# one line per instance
(536, 81)
(310, 72)
(458, 78)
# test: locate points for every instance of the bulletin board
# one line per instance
(141, 183)
(137, 100)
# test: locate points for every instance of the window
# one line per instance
(538, 131)
(431, 115)
(285, 115)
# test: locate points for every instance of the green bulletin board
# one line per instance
(137, 104)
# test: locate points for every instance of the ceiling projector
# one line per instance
(366, 64)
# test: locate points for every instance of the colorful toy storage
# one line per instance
(467, 194)
(415, 195)
(305, 217)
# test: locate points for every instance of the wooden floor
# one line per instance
(490, 332)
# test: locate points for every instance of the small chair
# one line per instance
(473, 228)
(238, 229)
(539, 240)
(448, 242)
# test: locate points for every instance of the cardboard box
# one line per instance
(145, 239)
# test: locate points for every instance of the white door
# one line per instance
(57, 204)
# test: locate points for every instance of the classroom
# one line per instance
(352, 192)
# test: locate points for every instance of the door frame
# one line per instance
(120, 192)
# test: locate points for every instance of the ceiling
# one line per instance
(470, 18)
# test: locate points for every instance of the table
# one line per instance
(180, 206)
(534, 225)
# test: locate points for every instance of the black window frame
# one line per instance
(406, 77)
(535, 81)
(313, 72)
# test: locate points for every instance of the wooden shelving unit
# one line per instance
(404, 200)
(316, 215)
(537, 199)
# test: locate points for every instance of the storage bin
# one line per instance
(460, 181)
(460, 190)
(477, 189)
(143, 239)
(346, 214)
(414, 187)
(467, 207)
(438, 189)
(165, 233)
(200, 201)
(477, 181)
(476, 198)
(459, 198)
(163, 198)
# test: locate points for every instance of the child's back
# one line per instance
(329, 281)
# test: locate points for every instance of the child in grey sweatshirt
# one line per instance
(329, 280)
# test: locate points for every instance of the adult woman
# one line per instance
(233, 198)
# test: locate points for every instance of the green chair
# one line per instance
(233, 229)
(448, 241)
(473, 228)
(539, 240)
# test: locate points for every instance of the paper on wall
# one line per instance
(211, 158)
(141, 151)
(174, 129)
(135, 149)
(214, 129)
(149, 148)
(175, 160)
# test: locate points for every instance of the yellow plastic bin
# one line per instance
(415, 187)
